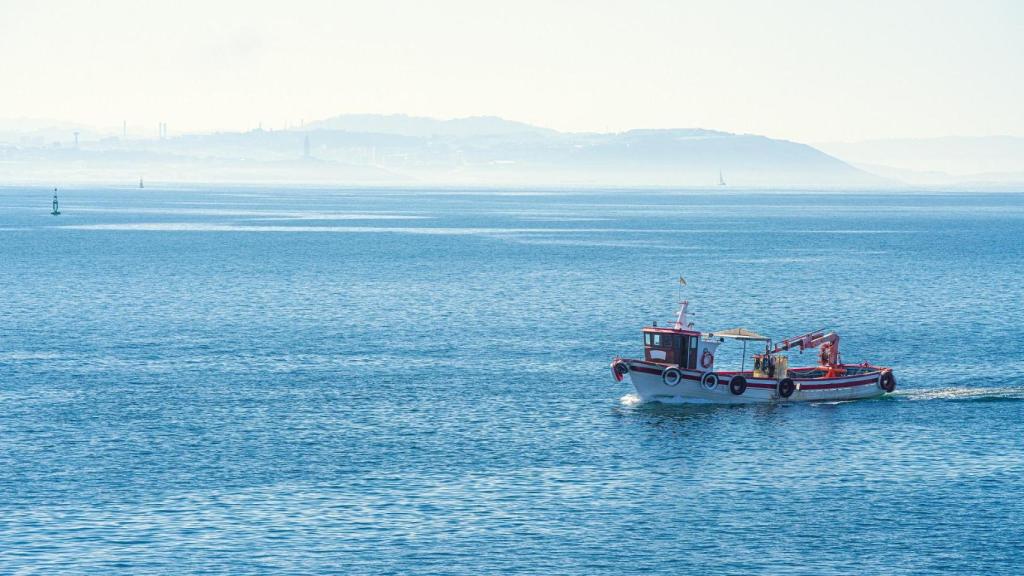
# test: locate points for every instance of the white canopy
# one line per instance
(740, 334)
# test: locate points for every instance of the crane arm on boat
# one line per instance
(829, 345)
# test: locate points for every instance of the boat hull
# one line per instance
(693, 388)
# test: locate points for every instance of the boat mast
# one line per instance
(681, 316)
(683, 304)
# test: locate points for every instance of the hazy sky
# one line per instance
(804, 70)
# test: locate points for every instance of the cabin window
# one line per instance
(658, 340)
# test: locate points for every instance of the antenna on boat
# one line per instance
(680, 323)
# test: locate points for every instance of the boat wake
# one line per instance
(953, 394)
(965, 394)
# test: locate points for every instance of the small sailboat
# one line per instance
(56, 204)
(721, 180)
(140, 183)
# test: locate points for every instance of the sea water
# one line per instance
(252, 379)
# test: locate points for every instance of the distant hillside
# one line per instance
(40, 132)
(478, 151)
(696, 156)
(938, 161)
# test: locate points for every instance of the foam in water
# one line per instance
(964, 394)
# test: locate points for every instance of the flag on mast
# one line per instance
(682, 281)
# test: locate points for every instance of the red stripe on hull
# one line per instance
(805, 383)
(804, 386)
(645, 370)
(659, 371)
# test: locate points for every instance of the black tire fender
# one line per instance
(619, 370)
(738, 385)
(709, 381)
(786, 387)
(887, 381)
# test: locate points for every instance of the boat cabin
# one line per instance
(671, 346)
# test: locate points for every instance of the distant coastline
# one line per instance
(400, 150)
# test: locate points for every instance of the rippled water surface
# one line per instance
(238, 380)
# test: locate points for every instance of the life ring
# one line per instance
(707, 359)
(619, 370)
(738, 385)
(786, 387)
(709, 381)
(887, 381)
(671, 376)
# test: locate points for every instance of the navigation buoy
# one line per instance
(56, 204)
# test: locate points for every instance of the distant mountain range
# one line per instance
(409, 150)
(985, 161)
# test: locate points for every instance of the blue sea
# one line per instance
(243, 380)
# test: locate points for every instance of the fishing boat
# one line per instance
(679, 367)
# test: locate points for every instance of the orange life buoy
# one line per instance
(707, 359)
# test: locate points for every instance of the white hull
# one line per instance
(652, 387)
